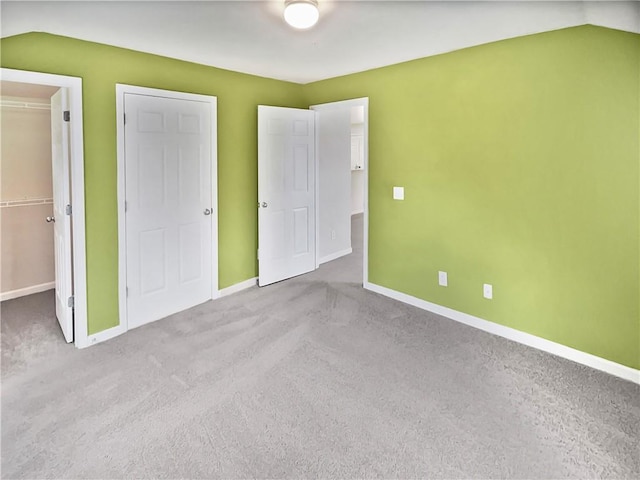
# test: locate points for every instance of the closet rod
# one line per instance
(28, 105)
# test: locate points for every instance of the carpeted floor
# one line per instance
(312, 377)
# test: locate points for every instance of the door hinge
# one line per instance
(70, 302)
(126, 291)
(66, 116)
(124, 118)
(68, 209)
(126, 205)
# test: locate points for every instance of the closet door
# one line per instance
(169, 214)
(62, 212)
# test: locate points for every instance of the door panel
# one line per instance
(190, 252)
(153, 265)
(168, 194)
(62, 224)
(300, 229)
(286, 193)
(301, 168)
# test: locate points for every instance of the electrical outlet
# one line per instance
(333, 234)
(398, 193)
(442, 279)
(487, 291)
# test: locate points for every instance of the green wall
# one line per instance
(520, 162)
(100, 68)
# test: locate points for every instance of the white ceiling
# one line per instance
(352, 36)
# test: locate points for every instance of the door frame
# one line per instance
(356, 102)
(121, 90)
(76, 163)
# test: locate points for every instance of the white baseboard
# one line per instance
(548, 346)
(120, 329)
(21, 292)
(238, 287)
(99, 337)
(333, 256)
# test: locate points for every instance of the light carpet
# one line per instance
(309, 378)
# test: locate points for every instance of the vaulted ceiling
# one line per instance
(352, 36)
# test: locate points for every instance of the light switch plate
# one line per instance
(487, 291)
(442, 279)
(398, 193)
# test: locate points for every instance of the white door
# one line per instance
(286, 193)
(168, 195)
(357, 154)
(61, 212)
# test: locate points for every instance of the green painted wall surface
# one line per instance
(520, 162)
(100, 68)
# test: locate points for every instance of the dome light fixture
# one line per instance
(301, 14)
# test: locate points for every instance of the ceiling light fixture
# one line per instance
(301, 14)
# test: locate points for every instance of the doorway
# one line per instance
(47, 188)
(342, 133)
(167, 202)
(27, 190)
(335, 165)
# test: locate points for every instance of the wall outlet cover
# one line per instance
(398, 193)
(442, 279)
(487, 291)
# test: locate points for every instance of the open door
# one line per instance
(286, 193)
(61, 219)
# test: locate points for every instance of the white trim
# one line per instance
(238, 287)
(509, 333)
(316, 185)
(23, 292)
(121, 90)
(356, 102)
(214, 194)
(121, 193)
(103, 336)
(353, 102)
(76, 141)
(333, 256)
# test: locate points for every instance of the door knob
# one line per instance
(50, 219)
(264, 205)
(207, 211)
